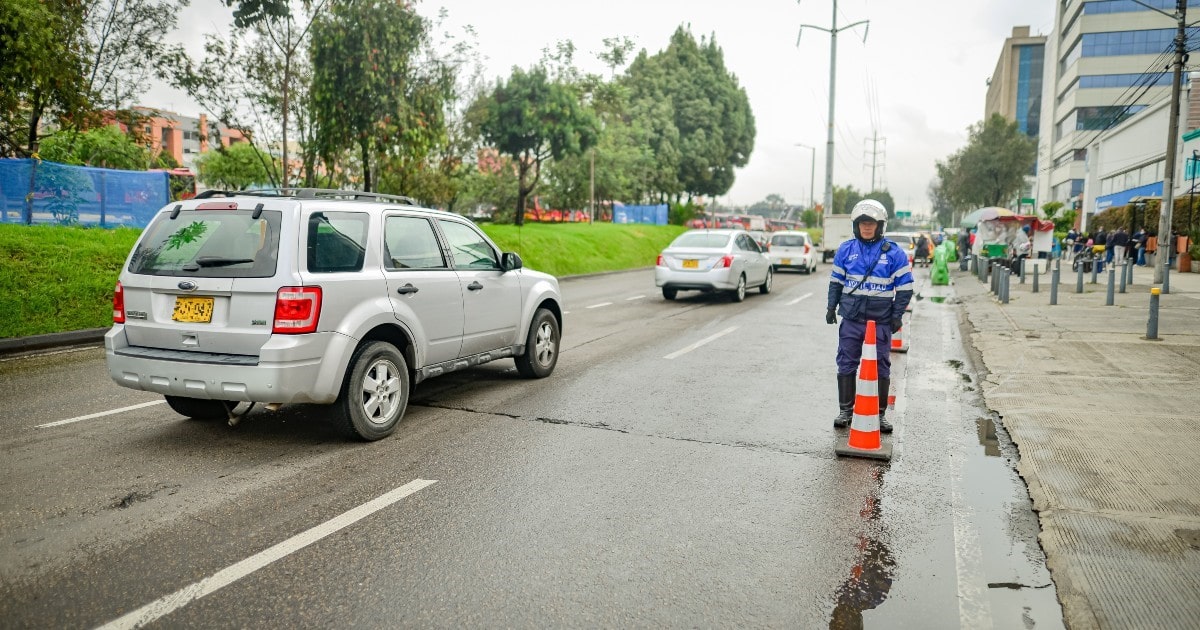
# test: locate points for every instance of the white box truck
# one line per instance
(837, 230)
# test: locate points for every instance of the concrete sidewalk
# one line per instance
(1106, 426)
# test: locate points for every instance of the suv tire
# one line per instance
(375, 392)
(541, 346)
(198, 408)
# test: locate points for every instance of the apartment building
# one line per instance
(184, 137)
(1106, 61)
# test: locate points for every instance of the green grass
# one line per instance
(58, 279)
(567, 249)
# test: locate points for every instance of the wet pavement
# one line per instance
(1104, 421)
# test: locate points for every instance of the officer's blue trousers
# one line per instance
(850, 345)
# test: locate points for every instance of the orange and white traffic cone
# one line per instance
(899, 343)
(865, 438)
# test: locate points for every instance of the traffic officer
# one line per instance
(871, 281)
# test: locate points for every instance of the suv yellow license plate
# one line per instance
(193, 310)
(691, 264)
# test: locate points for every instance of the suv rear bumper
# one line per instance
(289, 369)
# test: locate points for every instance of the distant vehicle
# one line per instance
(906, 240)
(713, 260)
(793, 250)
(182, 182)
(762, 238)
(837, 231)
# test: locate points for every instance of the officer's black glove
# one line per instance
(831, 316)
(897, 324)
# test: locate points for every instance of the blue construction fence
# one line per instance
(654, 215)
(35, 191)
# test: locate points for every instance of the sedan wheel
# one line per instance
(766, 285)
(669, 293)
(739, 294)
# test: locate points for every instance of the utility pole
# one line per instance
(833, 31)
(875, 158)
(812, 180)
(1164, 222)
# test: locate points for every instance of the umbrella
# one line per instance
(985, 214)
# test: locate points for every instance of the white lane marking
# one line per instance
(636, 297)
(708, 339)
(600, 304)
(168, 604)
(566, 312)
(99, 414)
(802, 297)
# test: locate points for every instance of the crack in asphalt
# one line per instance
(607, 427)
(1016, 586)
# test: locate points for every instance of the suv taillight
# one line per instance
(119, 304)
(726, 262)
(659, 262)
(297, 310)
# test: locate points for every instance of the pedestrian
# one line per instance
(964, 248)
(1139, 247)
(1072, 236)
(871, 281)
(921, 255)
(1100, 249)
(1118, 243)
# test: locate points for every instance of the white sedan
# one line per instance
(793, 250)
(713, 260)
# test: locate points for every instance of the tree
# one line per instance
(943, 212)
(236, 167)
(710, 112)
(884, 197)
(41, 45)
(371, 87)
(991, 169)
(532, 119)
(106, 147)
(124, 43)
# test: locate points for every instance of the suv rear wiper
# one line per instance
(219, 261)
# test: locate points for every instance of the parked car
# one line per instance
(762, 238)
(327, 297)
(793, 250)
(713, 260)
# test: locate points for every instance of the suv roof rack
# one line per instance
(308, 193)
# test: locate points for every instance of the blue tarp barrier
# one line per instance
(79, 195)
(654, 215)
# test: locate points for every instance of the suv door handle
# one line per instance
(406, 289)
(475, 286)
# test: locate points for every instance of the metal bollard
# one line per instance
(1005, 285)
(1166, 287)
(1095, 270)
(1021, 268)
(992, 278)
(1079, 280)
(1036, 273)
(1112, 281)
(1152, 324)
(1130, 272)
(1054, 286)
(1124, 273)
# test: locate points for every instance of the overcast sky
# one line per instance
(917, 82)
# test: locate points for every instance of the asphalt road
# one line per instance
(676, 470)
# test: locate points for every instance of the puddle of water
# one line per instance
(869, 580)
(987, 437)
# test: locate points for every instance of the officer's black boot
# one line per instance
(846, 387)
(884, 383)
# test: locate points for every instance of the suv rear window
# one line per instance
(210, 244)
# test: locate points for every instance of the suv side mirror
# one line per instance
(510, 261)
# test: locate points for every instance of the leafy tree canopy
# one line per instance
(236, 167)
(106, 147)
(991, 169)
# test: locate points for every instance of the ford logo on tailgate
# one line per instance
(188, 285)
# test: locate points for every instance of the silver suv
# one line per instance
(317, 296)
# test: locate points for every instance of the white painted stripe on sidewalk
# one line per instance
(99, 414)
(166, 605)
(600, 304)
(802, 297)
(708, 339)
(636, 297)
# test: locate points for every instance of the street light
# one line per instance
(812, 178)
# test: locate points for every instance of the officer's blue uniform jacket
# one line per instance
(883, 295)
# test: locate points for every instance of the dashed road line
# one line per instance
(99, 414)
(636, 297)
(600, 304)
(708, 339)
(184, 596)
(802, 297)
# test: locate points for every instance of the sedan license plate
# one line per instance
(193, 310)
(786, 261)
(691, 264)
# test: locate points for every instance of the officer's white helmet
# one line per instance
(869, 209)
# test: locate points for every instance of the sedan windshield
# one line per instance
(702, 239)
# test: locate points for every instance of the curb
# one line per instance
(20, 345)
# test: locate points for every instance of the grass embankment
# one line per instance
(58, 279)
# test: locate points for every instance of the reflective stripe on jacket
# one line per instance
(883, 295)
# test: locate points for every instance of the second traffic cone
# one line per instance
(865, 439)
(899, 343)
